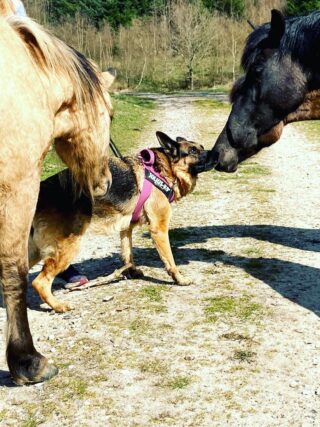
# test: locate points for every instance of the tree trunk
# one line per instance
(190, 77)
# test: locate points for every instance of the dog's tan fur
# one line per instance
(57, 233)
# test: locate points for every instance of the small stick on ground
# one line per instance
(99, 281)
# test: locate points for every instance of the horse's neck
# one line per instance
(6, 7)
(308, 110)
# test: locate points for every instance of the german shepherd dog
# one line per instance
(61, 220)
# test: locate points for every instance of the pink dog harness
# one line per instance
(151, 179)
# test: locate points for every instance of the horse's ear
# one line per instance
(167, 143)
(277, 29)
(109, 77)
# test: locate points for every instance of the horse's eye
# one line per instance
(193, 150)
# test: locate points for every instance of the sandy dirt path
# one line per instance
(239, 347)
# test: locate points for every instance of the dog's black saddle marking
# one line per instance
(124, 182)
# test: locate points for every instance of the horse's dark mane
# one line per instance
(301, 40)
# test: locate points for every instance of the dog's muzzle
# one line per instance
(207, 161)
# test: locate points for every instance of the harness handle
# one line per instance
(147, 156)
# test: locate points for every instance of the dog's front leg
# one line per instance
(160, 236)
(127, 256)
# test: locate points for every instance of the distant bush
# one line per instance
(298, 7)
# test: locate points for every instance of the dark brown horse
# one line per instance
(281, 84)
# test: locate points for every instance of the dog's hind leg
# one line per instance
(54, 265)
(127, 256)
(42, 284)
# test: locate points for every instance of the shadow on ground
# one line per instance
(297, 282)
(299, 238)
(5, 379)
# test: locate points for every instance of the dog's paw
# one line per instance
(62, 307)
(183, 281)
(133, 273)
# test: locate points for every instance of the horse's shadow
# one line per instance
(5, 379)
(298, 238)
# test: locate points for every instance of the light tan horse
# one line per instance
(48, 92)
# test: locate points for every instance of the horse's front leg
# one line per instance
(16, 211)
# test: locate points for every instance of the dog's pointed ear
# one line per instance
(167, 143)
(180, 139)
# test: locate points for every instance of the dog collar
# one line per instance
(151, 179)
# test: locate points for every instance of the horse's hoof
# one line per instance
(34, 370)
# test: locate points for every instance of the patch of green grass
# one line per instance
(153, 293)
(263, 190)
(30, 422)
(47, 408)
(310, 128)
(223, 176)
(178, 382)
(253, 251)
(3, 414)
(131, 115)
(153, 298)
(244, 356)
(224, 306)
(77, 388)
(52, 164)
(253, 169)
(235, 336)
(154, 366)
(139, 326)
(212, 103)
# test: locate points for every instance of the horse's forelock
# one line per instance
(253, 46)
